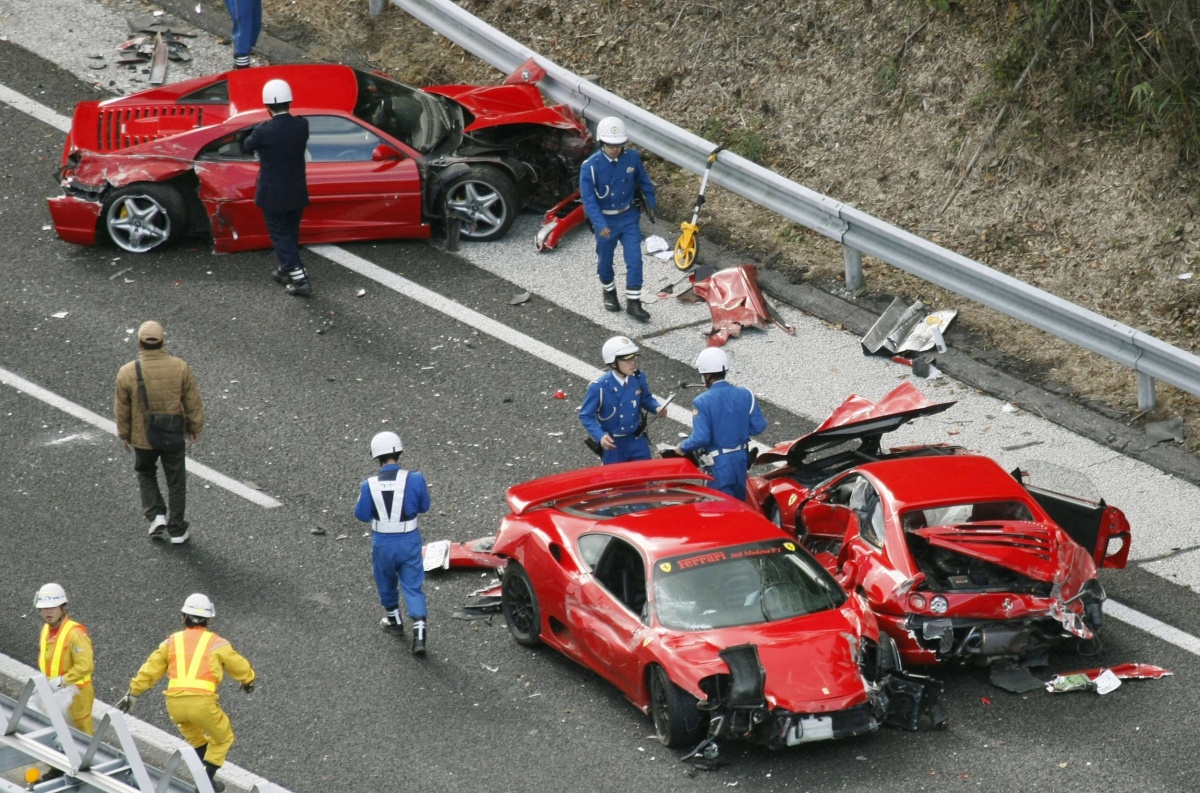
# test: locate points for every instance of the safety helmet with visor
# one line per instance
(49, 596)
(611, 130)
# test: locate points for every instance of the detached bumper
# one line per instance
(75, 219)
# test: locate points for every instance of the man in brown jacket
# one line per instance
(170, 388)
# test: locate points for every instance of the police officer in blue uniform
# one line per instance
(612, 408)
(608, 182)
(282, 191)
(723, 419)
(390, 502)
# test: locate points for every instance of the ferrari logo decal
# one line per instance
(793, 499)
(790, 546)
(665, 567)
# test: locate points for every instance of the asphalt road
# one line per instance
(294, 390)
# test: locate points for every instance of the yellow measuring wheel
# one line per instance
(688, 244)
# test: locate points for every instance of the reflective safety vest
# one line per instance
(60, 650)
(189, 661)
(389, 522)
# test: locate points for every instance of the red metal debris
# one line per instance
(736, 302)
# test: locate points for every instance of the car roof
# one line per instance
(690, 528)
(964, 478)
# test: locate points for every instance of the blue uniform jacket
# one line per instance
(416, 495)
(607, 184)
(724, 417)
(280, 144)
(614, 409)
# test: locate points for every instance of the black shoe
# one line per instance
(217, 786)
(419, 627)
(394, 628)
(634, 309)
(299, 289)
(282, 277)
(610, 300)
(180, 538)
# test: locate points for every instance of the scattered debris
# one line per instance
(360, 293)
(144, 41)
(657, 247)
(437, 555)
(60, 315)
(907, 329)
(560, 394)
(736, 302)
(1022, 446)
(318, 531)
(1009, 407)
(1169, 430)
(1104, 679)
(119, 273)
(1185, 276)
(1015, 678)
(519, 299)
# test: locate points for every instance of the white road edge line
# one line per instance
(143, 732)
(83, 414)
(487, 325)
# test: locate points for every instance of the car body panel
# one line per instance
(602, 546)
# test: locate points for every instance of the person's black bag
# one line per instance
(165, 431)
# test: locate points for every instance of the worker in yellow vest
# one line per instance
(196, 659)
(65, 657)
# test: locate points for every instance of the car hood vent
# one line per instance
(125, 127)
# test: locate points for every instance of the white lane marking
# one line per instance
(473, 319)
(547, 353)
(83, 414)
(35, 109)
(1169, 634)
(143, 733)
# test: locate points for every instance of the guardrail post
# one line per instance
(1146, 398)
(854, 273)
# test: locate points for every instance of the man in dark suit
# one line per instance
(282, 190)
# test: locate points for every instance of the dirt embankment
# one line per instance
(895, 108)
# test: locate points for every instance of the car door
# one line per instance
(607, 612)
(360, 185)
(863, 563)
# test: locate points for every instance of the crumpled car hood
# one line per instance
(1042, 553)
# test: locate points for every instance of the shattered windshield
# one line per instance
(742, 585)
(956, 514)
(415, 118)
(626, 501)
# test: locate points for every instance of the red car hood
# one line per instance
(501, 105)
(1042, 553)
(857, 418)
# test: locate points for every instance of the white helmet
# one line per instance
(49, 596)
(611, 130)
(277, 92)
(199, 605)
(386, 444)
(617, 346)
(712, 360)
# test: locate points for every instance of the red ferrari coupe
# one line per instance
(959, 559)
(384, 160)
(701, 612)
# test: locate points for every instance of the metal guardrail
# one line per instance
(34, 733)
(859, 233)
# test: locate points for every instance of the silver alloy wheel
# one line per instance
(138, 222)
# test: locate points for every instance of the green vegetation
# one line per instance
(744, 140)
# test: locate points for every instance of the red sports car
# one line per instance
(384, 160)
(959, 559)
(701, 612)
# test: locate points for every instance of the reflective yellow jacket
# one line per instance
(196, 660)
(74, 649)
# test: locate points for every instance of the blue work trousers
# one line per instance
(623, 228)
(246, 16)
(284, 231)
(629, 448)
(397, 557)
(729, 472)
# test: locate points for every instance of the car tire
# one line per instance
(487, 197)
(677, 719)
(519, 604)
(772, 512)
(143, 217)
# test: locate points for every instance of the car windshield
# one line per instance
(742, 585)
(956, 514)
(413, 117)
(625, 501)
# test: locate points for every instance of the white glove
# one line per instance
(56, 682)
(65, 697)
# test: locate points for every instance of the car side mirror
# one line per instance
(383, 153)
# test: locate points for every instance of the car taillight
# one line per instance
(1115, 545)
(916, 601)
(939, 605)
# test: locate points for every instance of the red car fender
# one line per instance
(75, 219)
(1112, 547)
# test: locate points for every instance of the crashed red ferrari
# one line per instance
(384, 160)
(702, 613)
(959, 559)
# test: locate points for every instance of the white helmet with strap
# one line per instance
(49, 596)
(386, 444)
(198, 605)
(611, 130)
(617, 347)
(712, 360)
(277, 92)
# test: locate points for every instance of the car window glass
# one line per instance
(591, 546)
(955, 514)
(413, 117)
(630, 500)
(215, 94)
(622, 572)
(865, 502)
(227, 147)
(337, 139)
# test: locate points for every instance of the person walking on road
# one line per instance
(282, 189)
(246, 16)
(195, 660)
(609, 182)
(390, 502)
(723, 419)
(612, 407)
(65, 656)
(157, 383)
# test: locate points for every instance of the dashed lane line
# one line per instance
(83, 414)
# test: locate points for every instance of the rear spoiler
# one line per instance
(528, 495)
